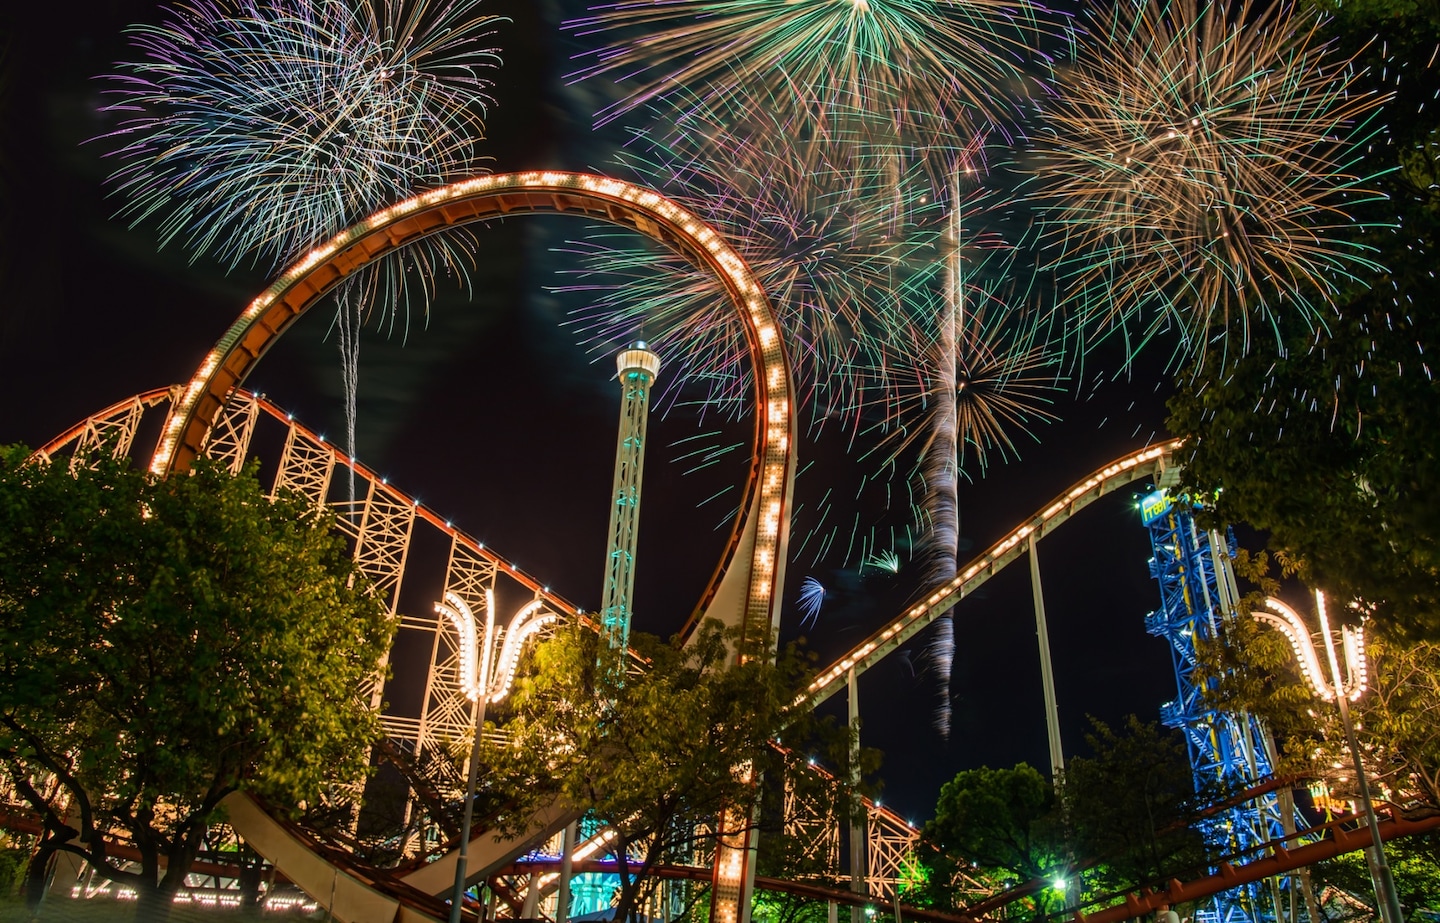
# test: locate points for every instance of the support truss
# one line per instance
(380, 526)
(890, 852)
(229, 439)
(1198, 595)
(110, 435)
(812, 823)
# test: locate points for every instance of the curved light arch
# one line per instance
(738, 595)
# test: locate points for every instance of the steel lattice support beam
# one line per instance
(1191, 568)
(890, 844)
(306, 466)
(229, 439)
(109, 435)
(381, 526)
(812, 822)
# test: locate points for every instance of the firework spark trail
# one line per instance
(812, 597)
(814, 217)
(1194, 169)
(251, 129)
(933, 71)
(956, 61)
(985, 368)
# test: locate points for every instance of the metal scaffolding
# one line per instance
(1231, 750)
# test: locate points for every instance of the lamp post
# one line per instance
(485, 678)
(1342, 691)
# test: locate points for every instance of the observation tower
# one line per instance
(638, 367)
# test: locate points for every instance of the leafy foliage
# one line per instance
(1397, 720)
(1333, 447)
(1123, 816)
(1414, 864)
(166, 643)
(657, 757)
(999, 818)
(1130, 805)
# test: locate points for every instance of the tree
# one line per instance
(655, 758)
(1414, 863)
(1001, 820)
(1130, 805)
(1333, 446)
(164, 643)
(1397, 720)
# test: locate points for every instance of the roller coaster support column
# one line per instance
(1047, 674)
(858, 840)
(638, 367)
(567, 867)
(1073, 886)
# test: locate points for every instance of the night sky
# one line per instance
(491, 414)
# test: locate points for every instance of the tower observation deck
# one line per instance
(638, 368)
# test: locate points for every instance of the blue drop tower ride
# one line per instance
(1197, 595)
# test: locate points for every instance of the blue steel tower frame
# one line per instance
(1197, 595)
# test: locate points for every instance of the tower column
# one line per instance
(638, 367)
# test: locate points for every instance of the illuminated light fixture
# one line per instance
(485, 678)
(1352, 685)
(1342, 690)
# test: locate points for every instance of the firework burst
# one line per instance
(255, 128)
(812, 597)
(836, 237)
(930, 63)
(1194, 170)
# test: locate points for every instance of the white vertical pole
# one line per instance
(857, 808)
(1047, 674)
(567, 868)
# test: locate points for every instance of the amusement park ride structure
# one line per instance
(382, 523)
(213, 415)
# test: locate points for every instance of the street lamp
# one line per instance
(1342, 692)
(485, 678)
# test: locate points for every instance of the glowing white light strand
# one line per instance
(1353, 683)
(480, 670)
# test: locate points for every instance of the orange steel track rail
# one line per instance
(761, 530)
(156, 396)
(1281, 860)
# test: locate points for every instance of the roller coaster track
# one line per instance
(211, 414)
(1150, 462)
(355, 891)
(309, 464)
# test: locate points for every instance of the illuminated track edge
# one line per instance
(762, 529)
(1148, 462)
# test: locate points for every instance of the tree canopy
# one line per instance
(656, 757)
(1000, 819)
(1332, 446)
(164, 643)
(1397, 720)
(1121, 817)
